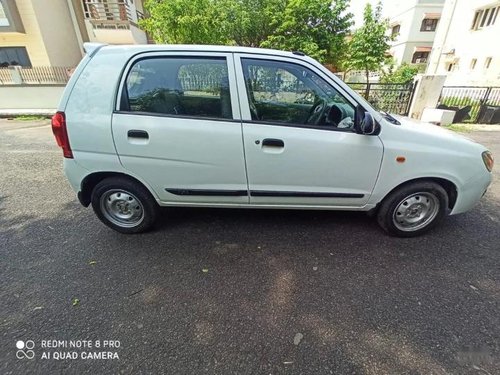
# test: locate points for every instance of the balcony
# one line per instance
(113, 22)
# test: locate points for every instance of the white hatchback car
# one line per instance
(173, 125)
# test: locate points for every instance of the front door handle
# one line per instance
(138, 134)
(273, 142)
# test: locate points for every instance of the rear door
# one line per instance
(177, 126)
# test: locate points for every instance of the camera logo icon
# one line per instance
(25, 349)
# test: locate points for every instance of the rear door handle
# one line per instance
(138, 134)
(273, 142)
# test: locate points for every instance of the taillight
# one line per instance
(61, 133)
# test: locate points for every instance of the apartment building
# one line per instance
(50, 33)
(466, 43)
(413, 24)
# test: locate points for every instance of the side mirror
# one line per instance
(368, 125)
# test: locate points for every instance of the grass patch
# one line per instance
(29, 118)
(460, 128)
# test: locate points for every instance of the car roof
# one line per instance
(138, 48)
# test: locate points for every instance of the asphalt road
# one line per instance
(354, 299)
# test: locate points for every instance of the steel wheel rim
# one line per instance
(415, 211)
(122, 208)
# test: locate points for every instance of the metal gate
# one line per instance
(389, 97)
(474, 104)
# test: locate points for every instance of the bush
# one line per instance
(405, 73)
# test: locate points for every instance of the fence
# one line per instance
(46, 75)
(474, 104)
(389, 97)
(5, 76)
(200, 83)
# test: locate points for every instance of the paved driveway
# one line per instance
(229, 291)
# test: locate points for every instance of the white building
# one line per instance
(413, 24)
(467, 43)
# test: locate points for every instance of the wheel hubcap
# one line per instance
(122, 208)
(416, 211)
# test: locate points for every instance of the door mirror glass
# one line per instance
(368, 125)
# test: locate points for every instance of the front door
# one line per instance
(300, 146)
(178, 127)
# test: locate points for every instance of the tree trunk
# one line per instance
(367, 83)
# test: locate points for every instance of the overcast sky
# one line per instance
(388, 7)
(357, 7)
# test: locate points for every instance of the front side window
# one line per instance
(193, 87)
(292, 94)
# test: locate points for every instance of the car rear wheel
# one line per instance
(124, 205)
(413, 209)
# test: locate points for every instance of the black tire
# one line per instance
(114, 190)
(396, 210)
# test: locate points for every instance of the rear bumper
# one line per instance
(470, 193)
(75, 174)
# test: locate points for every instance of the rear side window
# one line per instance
(192, 87)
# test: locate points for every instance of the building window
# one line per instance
(487, 63)
(473, 64)
(395, 30)
(429, 24)
(493, 17)
(452, 66)
(14, 56)
(477, 17)
(485, 17)
(4, 21)
(420, 57)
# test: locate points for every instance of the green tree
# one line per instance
(186, 21)
(315, 27)
(251, 22)
(369, 44)
(240, 22)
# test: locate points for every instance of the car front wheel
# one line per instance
(124, 205)
(413, 209)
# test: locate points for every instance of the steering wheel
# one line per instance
(317, 112)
